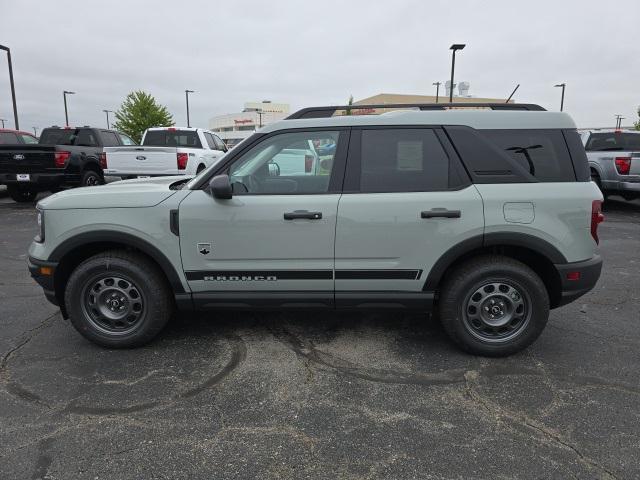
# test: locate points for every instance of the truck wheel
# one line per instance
(22, 194)
(493, 306)
(91, 178)
(200, 168)
(118, 299)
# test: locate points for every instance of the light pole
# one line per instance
(35, 131)
(108, 112)
(3, 120)
(563, 85)
(13, 88)
(260, 113)
(66, 112)
(455, 47)
(186, 94)
(437, 84)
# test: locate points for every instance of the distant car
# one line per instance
(165, 151)
(614, 160)
(16, 137)
(61, 158)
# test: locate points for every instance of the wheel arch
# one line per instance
(536, 253)
(69, 254)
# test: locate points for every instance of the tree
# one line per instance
(636, 125)
(348, 112)
(140, 111)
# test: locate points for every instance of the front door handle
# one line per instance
(440, 213)
(302, 214)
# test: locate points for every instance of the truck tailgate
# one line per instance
(26, 158)
(635, 163)
(141, 161)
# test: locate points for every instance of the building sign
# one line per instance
(242, 122)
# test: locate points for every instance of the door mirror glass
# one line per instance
(274, 169)
(220, 187)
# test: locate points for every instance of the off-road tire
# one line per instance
(469, 277)
(143, 275)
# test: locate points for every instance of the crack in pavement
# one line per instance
(551, 437)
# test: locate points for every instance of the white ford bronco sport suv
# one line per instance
(487, 217)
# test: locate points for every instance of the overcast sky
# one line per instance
(313, 53)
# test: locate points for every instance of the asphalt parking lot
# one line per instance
(270, 395)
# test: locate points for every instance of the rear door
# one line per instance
(406, 201)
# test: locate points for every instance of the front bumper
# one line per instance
(587, 273)
(37, 268)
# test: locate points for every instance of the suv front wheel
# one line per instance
(118, 299)
(494, 306)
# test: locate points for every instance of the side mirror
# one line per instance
(221, 187)
(274, 169)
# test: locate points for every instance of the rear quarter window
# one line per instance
(8, 138)
(542, 153)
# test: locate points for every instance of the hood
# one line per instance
(135, 193)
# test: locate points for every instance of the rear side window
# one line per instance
(219, 143)
(172, 138)
(8, 138)
(543, 153)
(404, 160)
(210, 141)
(613, 141)
(28, 139)
(126, 140)
(109, 139)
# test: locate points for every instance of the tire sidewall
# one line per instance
(453, 306)
(153, 317)
(17, 193)
(88, 174)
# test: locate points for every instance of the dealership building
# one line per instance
(235, 127)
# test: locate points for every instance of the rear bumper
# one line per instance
(588, 273)
(45, 281)
(39, 180)
(622, 185)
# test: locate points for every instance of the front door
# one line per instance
(406, 202)
(272, 243)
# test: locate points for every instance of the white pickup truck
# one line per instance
(165, 151)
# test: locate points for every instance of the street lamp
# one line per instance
(260, 112)
(563, 85)
(437, 84)
(66, 113)
(186, 94)
(455, 47)
(13, 88)
(108, 112)
(3, 120)
(35, 131)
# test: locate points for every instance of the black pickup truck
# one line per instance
(63, 157)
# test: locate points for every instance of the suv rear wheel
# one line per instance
(22, 194)
(91, 178)
(493, 306)
(118, 299)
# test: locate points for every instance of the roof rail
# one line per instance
(324, 112)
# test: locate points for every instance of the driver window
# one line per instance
(288, 163)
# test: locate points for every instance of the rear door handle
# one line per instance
(440, 213)
(302, 214)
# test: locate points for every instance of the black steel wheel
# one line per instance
(493, 305)
(118, 299)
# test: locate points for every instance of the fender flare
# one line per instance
(513, 239)
(100, 236)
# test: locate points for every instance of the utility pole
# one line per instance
(108, 112)
(260, 113)
(3, 120)
(13, 88)
(35, 131)
(437, 84)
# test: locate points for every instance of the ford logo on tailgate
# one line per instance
(141, 157)
(18, 156)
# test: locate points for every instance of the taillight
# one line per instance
(596, 218)
(183, 158)
(308, 163)
(102, 158)
(623, 165)
(60, 159)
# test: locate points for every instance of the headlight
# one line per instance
(40, 237)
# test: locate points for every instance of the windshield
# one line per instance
(172, 138)
(613, 141)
